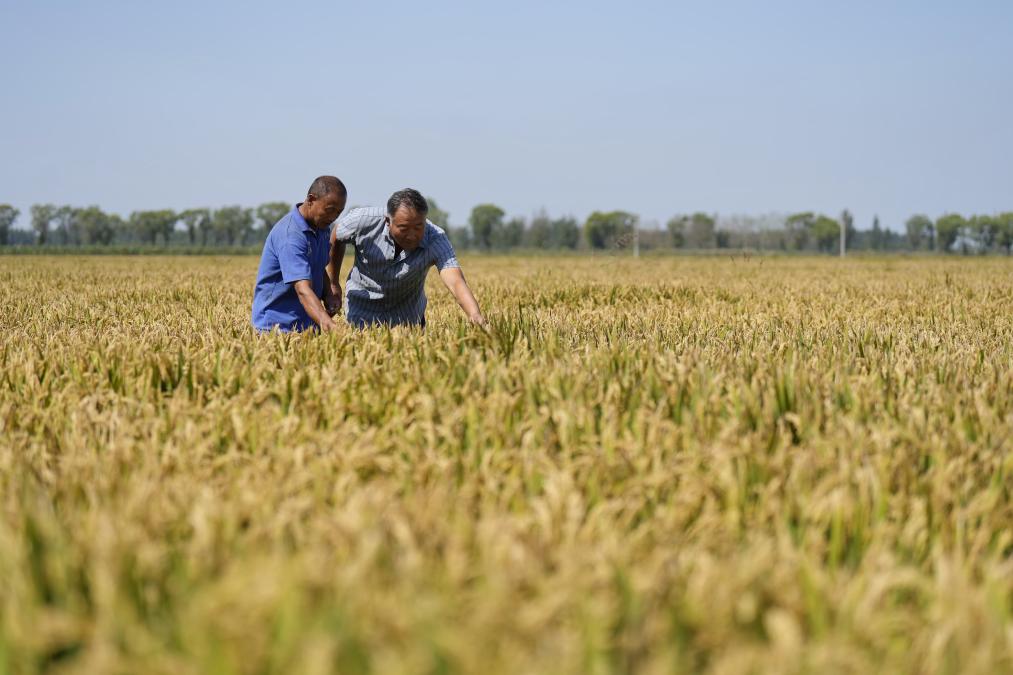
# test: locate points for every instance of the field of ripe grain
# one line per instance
(719, 465)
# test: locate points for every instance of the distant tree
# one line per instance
(231, 224)
(1004, 236)
(460, 237)
(120, 227)
(565, 232)
(948, 228)
(42, 221)
(798, 227)
(149, 225)
(270, 213)
(877, 237)
(96, 226)
(65, 225)
(539, 232)
(437, 216)
(168, 224)
(603, 229)
(676, 227)
(8, 215)
(485, 220)
(919, 231)
(701, 231)
(984, 230)
(510, 235)
(143, 226)
(198, 224)
(827, 233)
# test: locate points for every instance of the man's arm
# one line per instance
(343, 232)
(332, 285)
(313, 305)
(454, 280)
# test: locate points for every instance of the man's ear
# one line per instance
(310, 198)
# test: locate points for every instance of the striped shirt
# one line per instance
(387, 284)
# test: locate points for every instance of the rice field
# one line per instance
(671, 465)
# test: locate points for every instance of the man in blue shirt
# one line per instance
(394, 249)
(290, 285)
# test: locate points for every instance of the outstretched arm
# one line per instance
(332, 284)
(312, 304)
(454, 280)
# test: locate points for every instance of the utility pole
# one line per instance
(846, 221)
(636, 238)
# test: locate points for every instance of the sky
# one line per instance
(887, 108)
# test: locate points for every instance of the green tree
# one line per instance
(460, 237)
(1004, 236)
(919, 229)
(42, 221)
(798, 227)
(701, 231)
(8, 215)
(877, 237)
(231, 224)
(437, 216)
(198, 224)
(270, 213)
(605, 229)
(723, 238)
(565, 233)
(485, 220)
(149, 225)
(143, 227)
(539, 232)
(65, 225)
(827, 233)
(948, 228)
(510, 235)
(120, 227)
(96, 226)
(677, 226)
(985, 231)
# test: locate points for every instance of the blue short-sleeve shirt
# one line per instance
(294, 251)
(387, 284)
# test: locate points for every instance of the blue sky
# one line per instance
(653, 107)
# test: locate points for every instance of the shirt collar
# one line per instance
(300, 221)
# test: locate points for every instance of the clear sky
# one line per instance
(658, 108)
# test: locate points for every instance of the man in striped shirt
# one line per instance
(394, 249)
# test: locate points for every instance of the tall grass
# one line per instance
(676, 465)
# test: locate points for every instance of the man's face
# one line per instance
(322, 211)
(407, 227)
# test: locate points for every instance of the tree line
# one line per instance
(91, 226)
(489, 229)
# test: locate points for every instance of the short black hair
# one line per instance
(409, 197)
(325, 185)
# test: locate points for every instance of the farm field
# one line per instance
(715, 464)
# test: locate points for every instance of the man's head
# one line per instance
(325, 200)
(406, 217)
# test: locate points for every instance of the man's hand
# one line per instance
(313, 305)
(332, 300)
(332, 283)
(453, 278)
